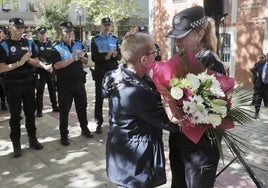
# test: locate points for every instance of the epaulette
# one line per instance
(96, 36)
(77, 41)
(114, 36)
(216, 57)
(55, 42)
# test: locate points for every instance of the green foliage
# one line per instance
(51, 14)
(117, 10)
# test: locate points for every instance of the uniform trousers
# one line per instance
(261, 94)
(192, 165)
(45, 78)
(22, 93)
(66, 94)
(98, 112)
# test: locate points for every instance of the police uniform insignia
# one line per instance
(21, 21)
(69, 25)
(62, 52)
(42, 48)
(13, 49)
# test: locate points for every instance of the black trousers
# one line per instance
(98, 111)
(45, 78)
(2, 90)
(261, 94)
(192, 165)
(66, 95)
(22, 93)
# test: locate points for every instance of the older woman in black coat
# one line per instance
(134, 148)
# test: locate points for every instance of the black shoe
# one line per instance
(87, 133)
(256, 116)
(56, 109)
(4, 106)
(65, 141)
(33, 143)
(17, 153)
(39, 114)
(17, 149)
(99, 129)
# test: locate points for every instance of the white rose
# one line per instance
(176, 93)
(214, 119)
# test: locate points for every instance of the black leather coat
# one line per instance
(134, 148)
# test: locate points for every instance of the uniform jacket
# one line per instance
(73, 73)
(211, 61)
(134, 148)
(12, 51)
(100, 45)
(257, 72)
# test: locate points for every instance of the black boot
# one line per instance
(17, 149)
(4, 106)
(39, 113)
(33, 142)
(65, 141)
(99, 129)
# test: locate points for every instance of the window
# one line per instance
(226, 40)
(225, 47)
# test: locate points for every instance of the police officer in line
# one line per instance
(43, 47)
(105, 53)
(68, 57)
(158, 56)
(2, 84)
(18, 57)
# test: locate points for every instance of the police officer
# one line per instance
(158, 57)
(18, 57)
(43, 47)
(104, 53)
(2, 84)
(68, 57)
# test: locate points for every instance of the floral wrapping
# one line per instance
(212, 101)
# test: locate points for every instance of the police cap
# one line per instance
(187, 20)
(67, 26)
(143, 29)
(105, 21)
(41, 30)
(16, 22)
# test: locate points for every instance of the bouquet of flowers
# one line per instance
(202, 100)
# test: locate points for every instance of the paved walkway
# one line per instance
(82, 164)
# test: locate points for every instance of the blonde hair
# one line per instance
(209, 40)
(135, 46)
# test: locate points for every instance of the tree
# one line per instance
(117, 10)
(51, 13)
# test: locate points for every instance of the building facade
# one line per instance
(244, 32)
(26, 9)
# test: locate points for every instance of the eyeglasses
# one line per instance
(19, 27)
(154, 52)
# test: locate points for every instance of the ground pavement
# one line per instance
(82, 164)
